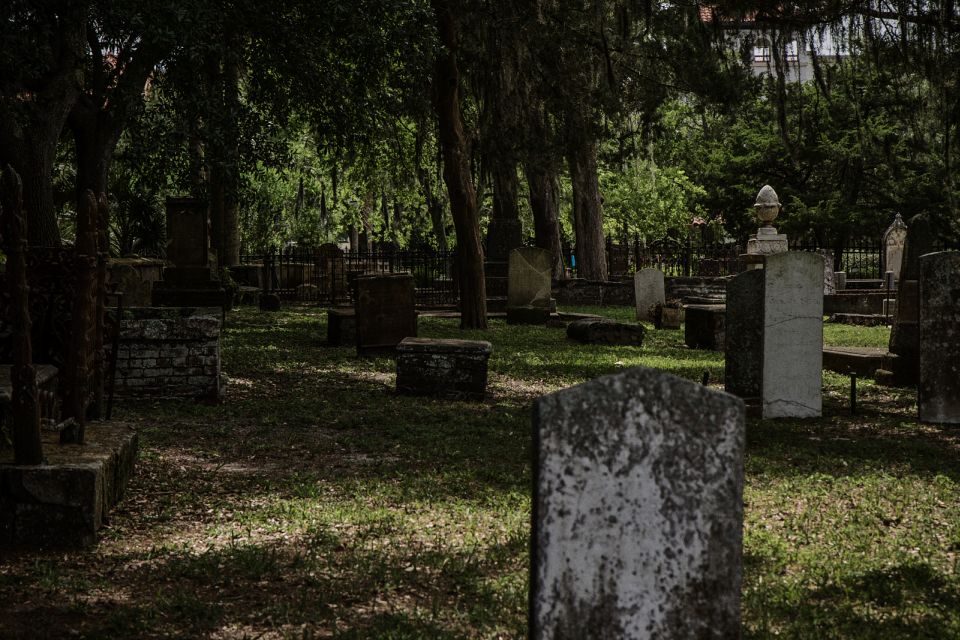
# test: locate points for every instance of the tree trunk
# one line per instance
(230, 221)
(545, 204)
(587, 216)
(456, 173)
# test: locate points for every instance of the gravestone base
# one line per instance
(341, 327)
(455, 369)
(590, 331)
(64, 502)
(704, 327)
(520, 315)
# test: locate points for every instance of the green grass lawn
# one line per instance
(314, 502)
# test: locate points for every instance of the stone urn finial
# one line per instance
(767, 206)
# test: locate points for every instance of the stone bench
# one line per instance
(250, 294)
(705, 326)
(444, 367)
(341, 327)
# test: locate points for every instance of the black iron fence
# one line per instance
(674, 258)
(325, 274)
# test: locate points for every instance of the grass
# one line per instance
(316, 503)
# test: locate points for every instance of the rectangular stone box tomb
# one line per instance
(443, 367)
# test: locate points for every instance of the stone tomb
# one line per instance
(448, 368)
(938, 392)
(529, 286)
(637, 510)
(774, 335)
(705, 326)
(649, 291)
(607, 332)
(341, 327)
(385, 312)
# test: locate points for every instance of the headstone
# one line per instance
(385, 312)
(705, 326)
(840, 278)
(188, 238)
(894, 239)
(649, 290)
(743, 364)
(528, 290)
(938, 391)
(901, 365)
(775, 335)
(592, 331)
(829, 275)
(189, 281)
(637, 510)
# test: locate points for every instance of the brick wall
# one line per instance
(169, 352)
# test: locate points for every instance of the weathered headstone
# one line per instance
(894, 239)
(649, 291)
(637, 510)
(901, 365)
(775, 335)
(385, 312)
(938, 391)
(528, 289)
(829, 275)
(190, 281)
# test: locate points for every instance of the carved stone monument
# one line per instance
(385, 312)
(938, 391)
(637, 510)
(529, 288)
(649, 291)
(189, 281)
(894, 239)
(774, 335)
(767, 241)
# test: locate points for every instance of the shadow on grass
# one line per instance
(909, 601)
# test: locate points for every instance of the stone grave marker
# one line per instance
(774, 335)
(385, 312)
(901, 365)
(938, 391)
(648, 290)
(637, 510)
(894, 239)
(529, 286)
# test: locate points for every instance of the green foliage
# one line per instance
(656, 202)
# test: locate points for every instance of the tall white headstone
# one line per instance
(894, 239)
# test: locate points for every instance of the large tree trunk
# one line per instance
(456, 173)
(545, 204)
(587, 215)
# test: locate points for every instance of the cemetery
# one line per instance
(438, 320)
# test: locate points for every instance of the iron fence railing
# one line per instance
(325, 275)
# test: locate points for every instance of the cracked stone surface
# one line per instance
(638, 510)
(938, 392)
(649, 290)
(529, 278)
(793, 335)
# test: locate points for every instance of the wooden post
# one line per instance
(27, 448)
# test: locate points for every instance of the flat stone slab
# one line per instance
(64, 502)
(864, 361)
(637, 510)
(448, 368)
(861, 319)
(607, 332)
